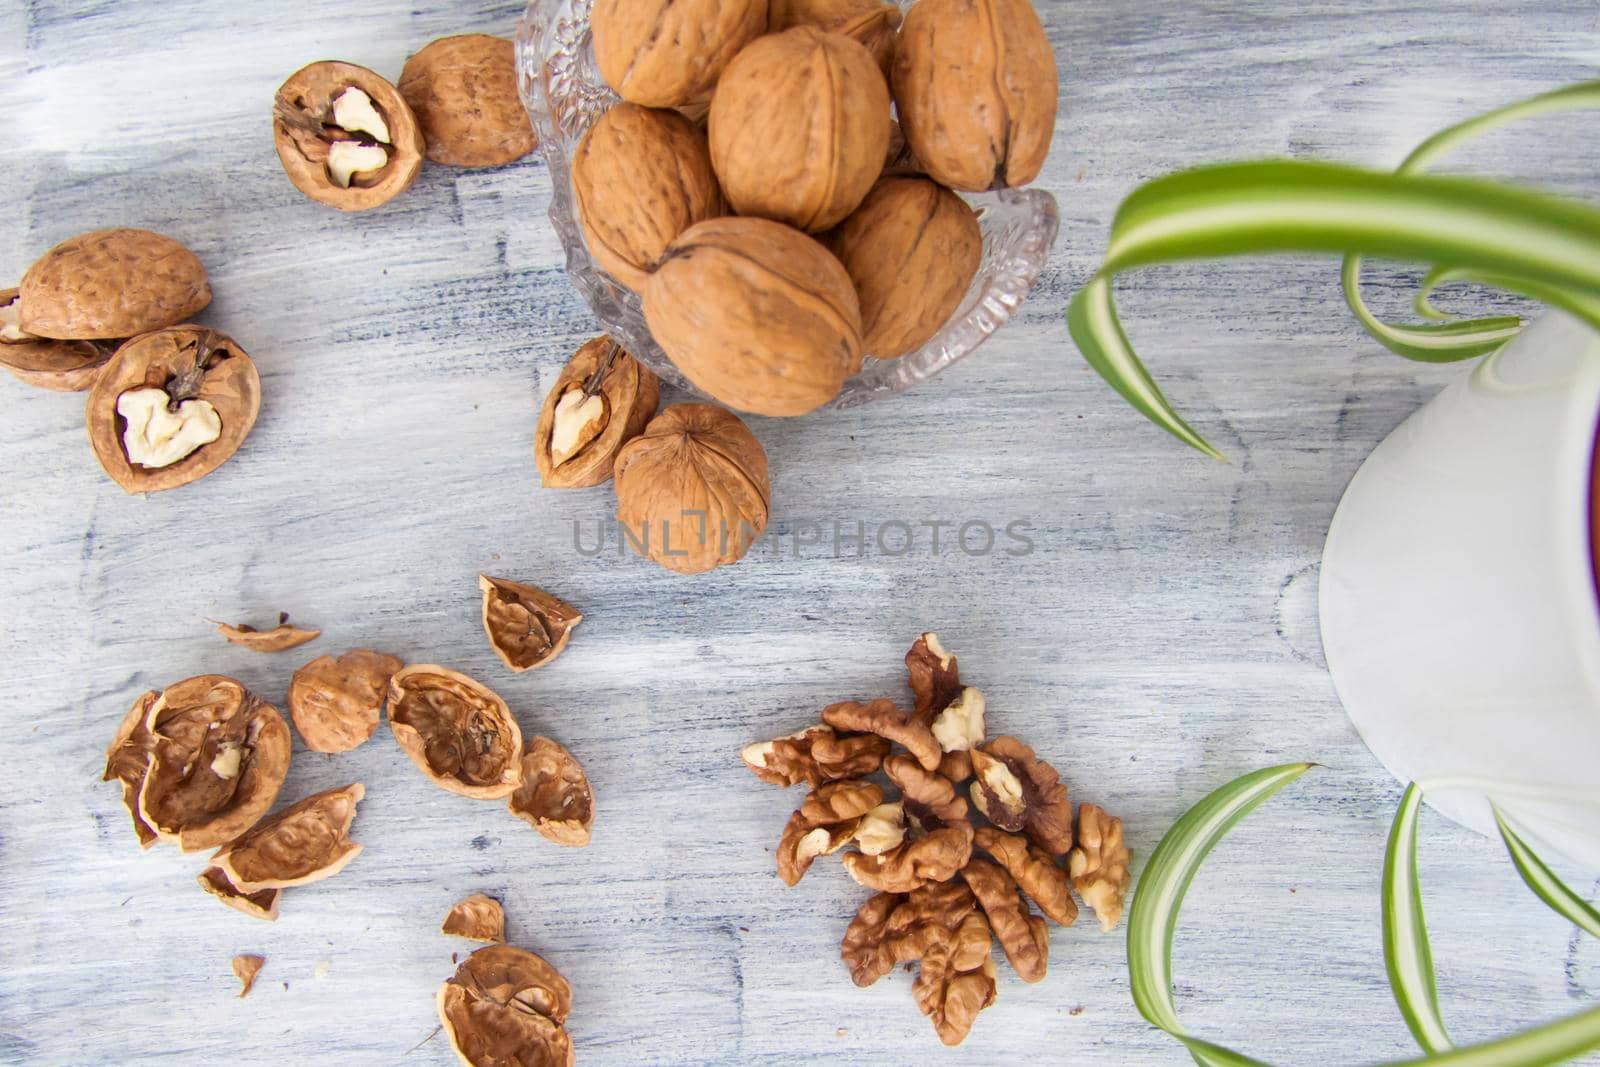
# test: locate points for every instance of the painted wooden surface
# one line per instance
(1159, 639)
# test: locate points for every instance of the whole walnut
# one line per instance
(692, 490)
(871, 22)
(463, 91)
(912, 248)
(800, 127)
(664, 53)
(975, 85)
(641, 176)
(758, 315)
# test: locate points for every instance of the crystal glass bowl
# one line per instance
(564, 93)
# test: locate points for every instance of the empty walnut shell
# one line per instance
(975, 86)
(527, 627)
(554, 795)
(912, 249)
(692, 490)
(477, 918)
(111, 284)
(871, 23)
(665, 53)
(199, 762)
(305, 842)
(64, 366)
(262, 904)
(305, 132)
(756, 314)
(603, 399)
(800, 127)
(507, 1007)
(463, 91)
(190, 363)
(456, 730)
(641, 177)
(280, 638)
(336, 703)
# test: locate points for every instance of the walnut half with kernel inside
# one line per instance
(603, 399)
(345, 136)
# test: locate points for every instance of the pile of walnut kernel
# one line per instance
(938, 903)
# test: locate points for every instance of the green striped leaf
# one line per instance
(1544, 882)
(1406, 953)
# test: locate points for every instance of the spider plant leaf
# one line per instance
(1544, 882)
(1405, 932)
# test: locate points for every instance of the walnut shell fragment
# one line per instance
(815, 755)
(43, 362)
(665, 53)
(871, 23)
(456, 730)
(554, 796)
(756, 314)
(477, 918)
(281, 638)
(1017, 790)
(1036, 873)
(799, 127)
(526, 626)
(171, 407)
(345, 136)
(463, 91)
(692, 489)
(603, 399)
(975, 85)
(912, 249)
(1022, 934)
(956, 980)
(336, 703)
(824, 822)
(641, 177)
(245, 968)
(507, 1007)
(1099, 865)
(883, 718)
(304, 843)
(111, 284)
(262, 904)
(199, 762)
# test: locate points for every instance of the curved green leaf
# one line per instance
(1540, 1046)
(1405, 932)
(1544, 882)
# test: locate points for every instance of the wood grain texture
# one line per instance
(1160, 638)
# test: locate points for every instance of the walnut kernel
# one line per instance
(1099, 865)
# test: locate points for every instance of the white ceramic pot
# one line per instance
(1458, 596)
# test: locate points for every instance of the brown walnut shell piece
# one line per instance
(336, 703)
(245, 968)
(957, 980)
(603, 399)
(1037, 873)
(280, 638)
(262, 904)
(507, 1007)
(1099, 865)
(1016, 790)
(757, 315)
(975, 85)
(111, 284)
(477, 918)
(463, 91)
(824, 823)
(666, 53)
(554, 796)
(871, 23)
(526, 626)
(200, 762)
(641, 177)
(456, 730)
(799, 128)
(42, 362)
(815, 755)
(304, 843)
(148, 442)
(912, 249)
(692, 489)
(883, 718)
(345, 136)
(1022, 934)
